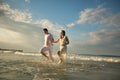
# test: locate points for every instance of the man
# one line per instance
(48, 45)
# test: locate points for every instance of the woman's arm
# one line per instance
(67, 40)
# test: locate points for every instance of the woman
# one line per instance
(64, 41)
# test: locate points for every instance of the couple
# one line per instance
(48, 45)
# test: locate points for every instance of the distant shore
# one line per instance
(13, 50)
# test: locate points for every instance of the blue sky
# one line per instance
(93, 26)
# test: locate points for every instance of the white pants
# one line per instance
(46, 49)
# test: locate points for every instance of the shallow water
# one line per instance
(26, 67)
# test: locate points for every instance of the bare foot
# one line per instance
(46, 60)
(60, 61)
(52, 60)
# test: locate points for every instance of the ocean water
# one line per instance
(31, 66)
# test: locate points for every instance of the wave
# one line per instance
(82, 57)
(30, 54)
(75, 57)
(95, 58)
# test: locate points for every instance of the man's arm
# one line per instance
(51, 38)
(56, 40)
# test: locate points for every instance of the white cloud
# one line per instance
(8, 36)
(20, 35)
(16, 15)
(113, 20)
(45, 23)
(98, 15)
(98, 42)
(70, 25)
(106, 37)
(28, 1)
(53, 27)
(26, 17)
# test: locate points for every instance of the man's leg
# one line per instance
(43, 53)
(50, 55)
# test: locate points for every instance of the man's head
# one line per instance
(45, 30)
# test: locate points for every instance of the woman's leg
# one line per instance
(60, 59)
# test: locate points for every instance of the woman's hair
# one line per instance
(63, 31)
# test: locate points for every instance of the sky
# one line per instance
(92, 26)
